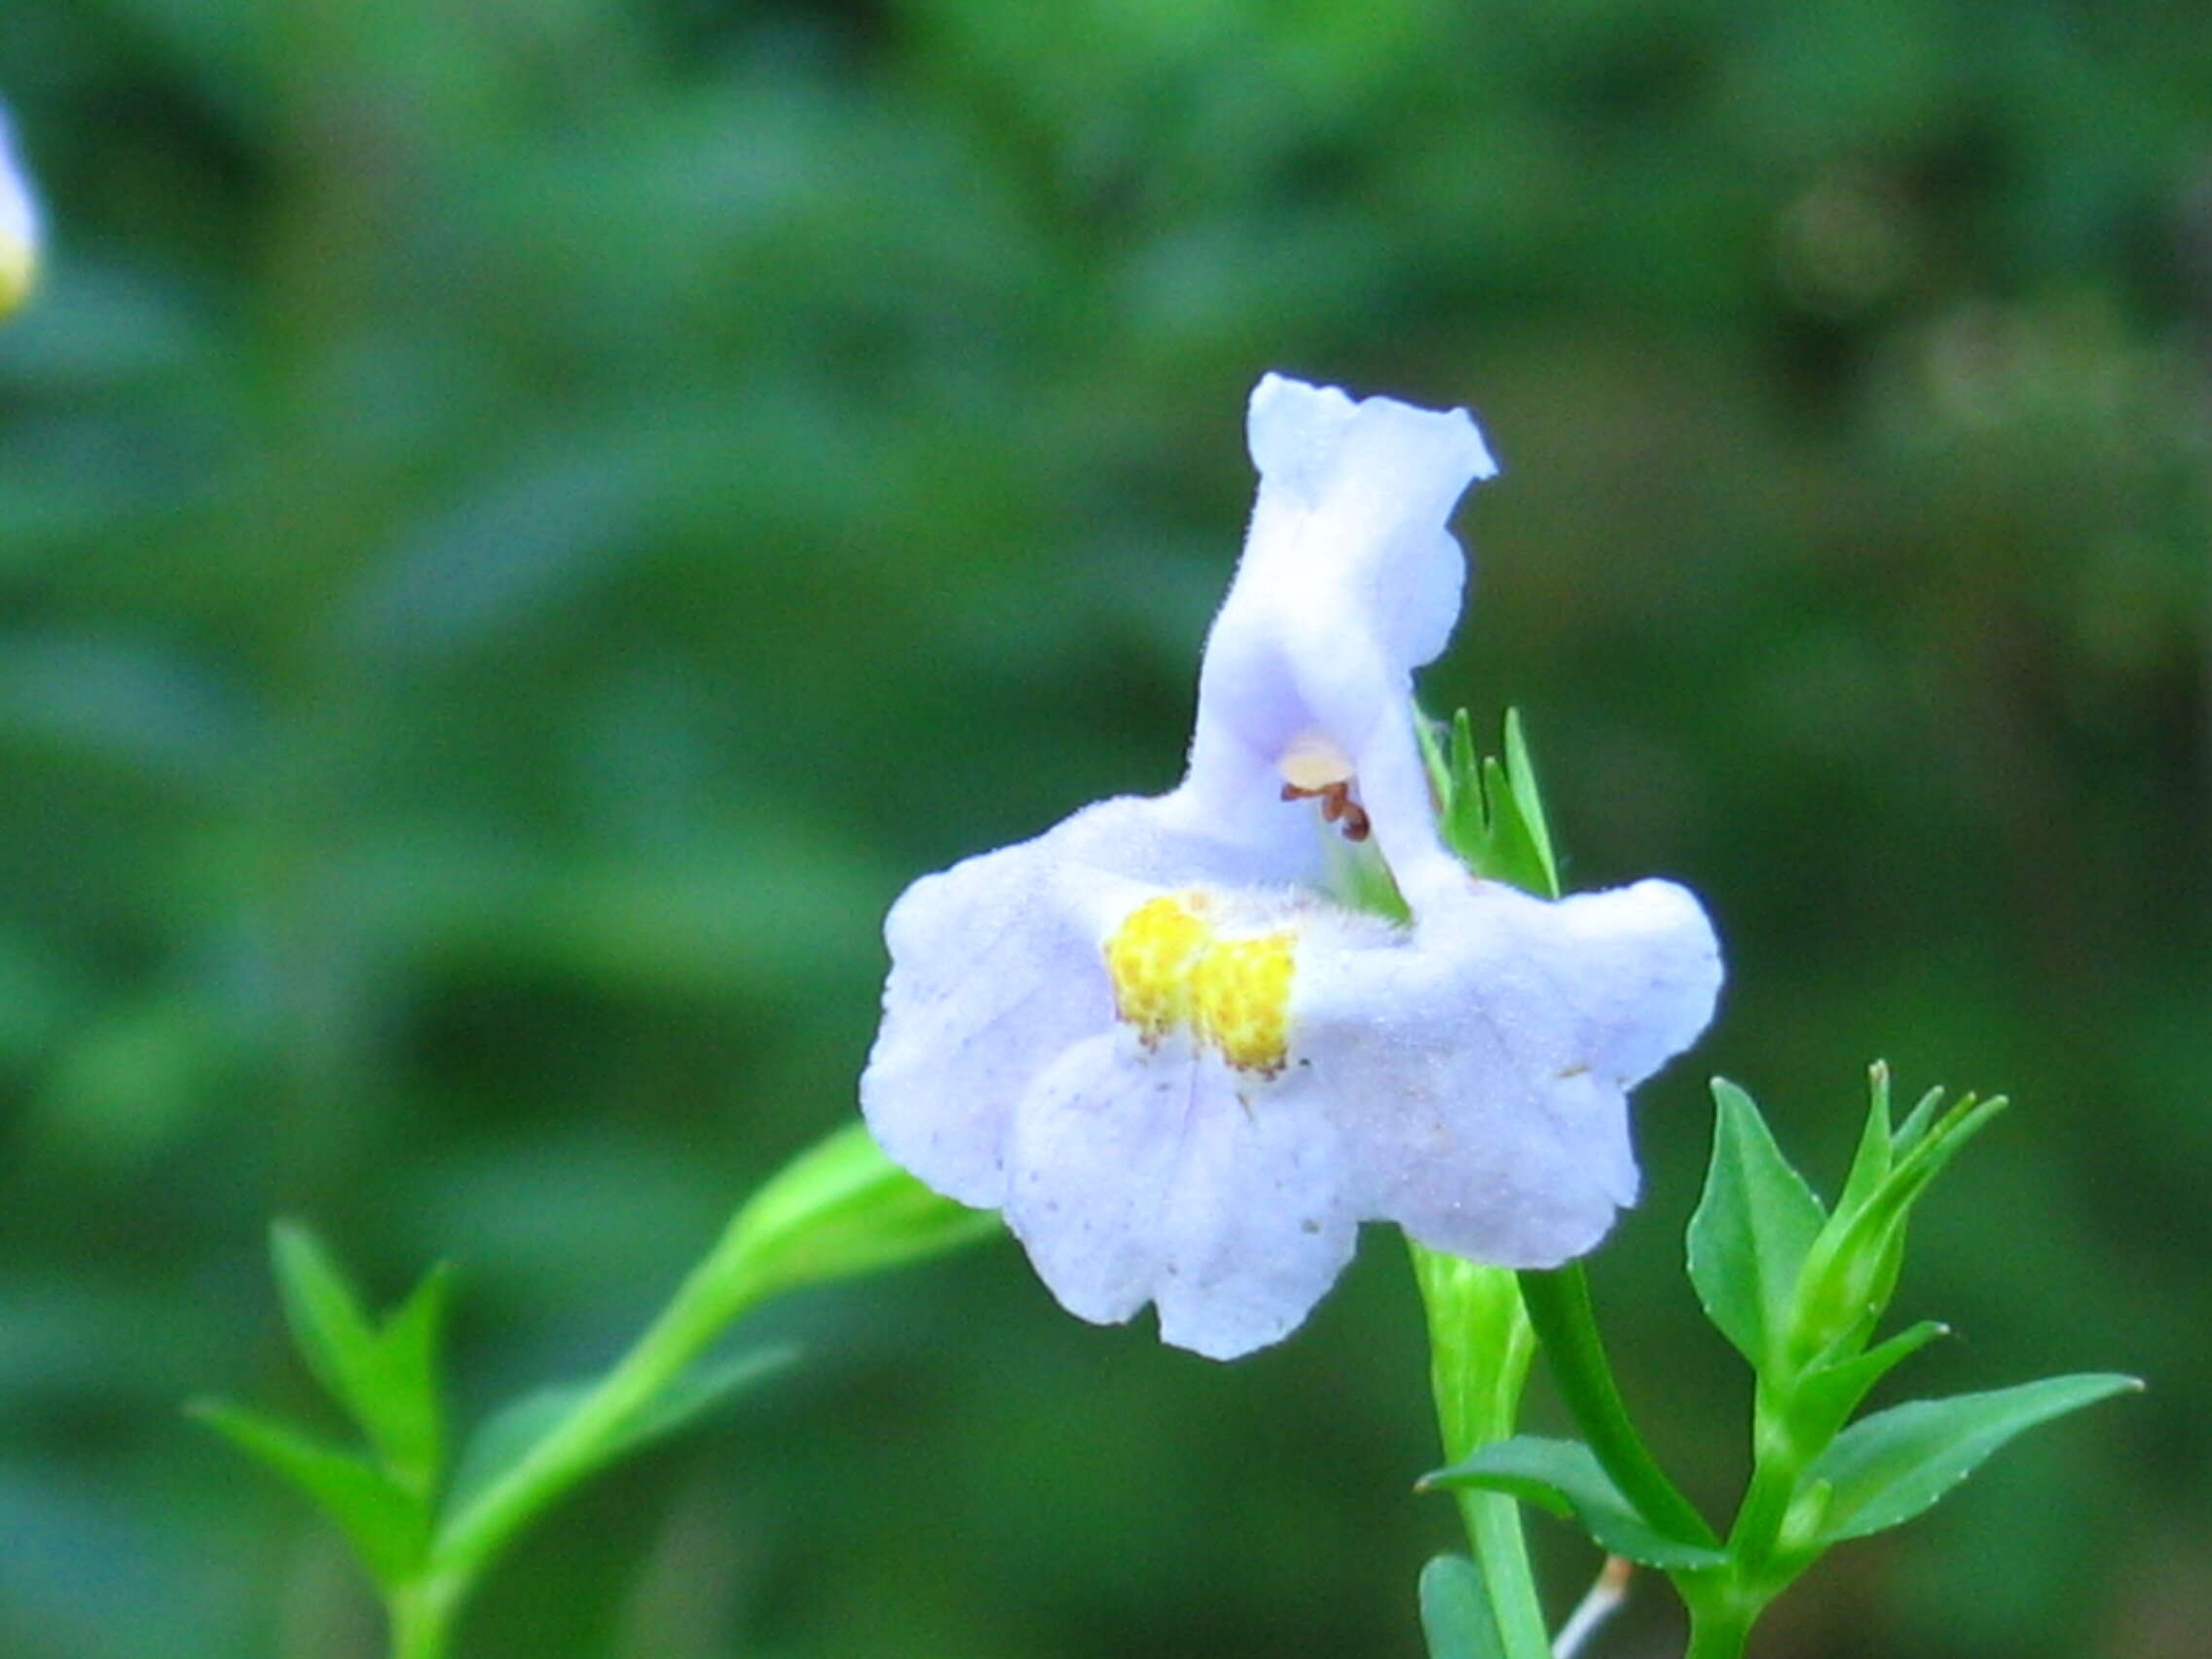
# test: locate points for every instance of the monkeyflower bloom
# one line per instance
(18, 227)
(1185, 1071)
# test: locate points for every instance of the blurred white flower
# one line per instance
(18, 226)
(1183, 1071)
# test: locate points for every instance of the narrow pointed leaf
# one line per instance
(386, 1377)
(1751, 1232)
(1828, 1394)
(329, 1327)
(406, 1419)
(1563, 1476)
(388, 1527)
(1456, 1614)
(1895, 1465)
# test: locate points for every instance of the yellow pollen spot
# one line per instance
(1240, 997)
(1170, 968)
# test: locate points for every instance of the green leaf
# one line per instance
(387, 1378)
(1456, 1614)
(1753, 1228)
(1564, 1477)
(1891, 1466)
(387, 1525)
(1826, 1395)
(329, 1327)
(408, 1421)
(509, 1434)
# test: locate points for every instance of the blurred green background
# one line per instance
(522, 523)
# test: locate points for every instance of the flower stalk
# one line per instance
(1480, 1346)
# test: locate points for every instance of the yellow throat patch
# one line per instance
(1171, 968)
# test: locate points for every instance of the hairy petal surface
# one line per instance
(1350, 581)
(1485, 1067)
(1161, 1177)
(1187, 1077)
(996, 970)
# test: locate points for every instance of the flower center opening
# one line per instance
(1313, 768)
(1171, 968)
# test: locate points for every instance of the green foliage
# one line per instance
(1799, 1292)
(1751, 1229)
(1491, 810)
(522, 525)
(838, 1208)
(386, 1377)
(388, 1525)
(1455, 1611)
(1883, 1471)
(842, 1208)
(513, 1431)
(1564, 1477)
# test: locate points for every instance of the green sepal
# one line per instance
(1877, 1152)
(1852, 1269)
(1752, 1231)
(387, 1525)
(1564, 1477)
(1891, 1466)
(1490, 811)
(385, 1377)
(1528, 803)
(1916, 1122)
(1456, 1615)
(507, 1436)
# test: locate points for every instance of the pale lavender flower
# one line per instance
(1185, 1071)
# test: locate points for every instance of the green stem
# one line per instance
(1501, 1554)
(422, 1618)
(1719, 1636)
(1724, 1603)
(716, 1291)
(838, 1208)
(1558, 1307)
(1480, 1345)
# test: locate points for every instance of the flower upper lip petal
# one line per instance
(1350, 580)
